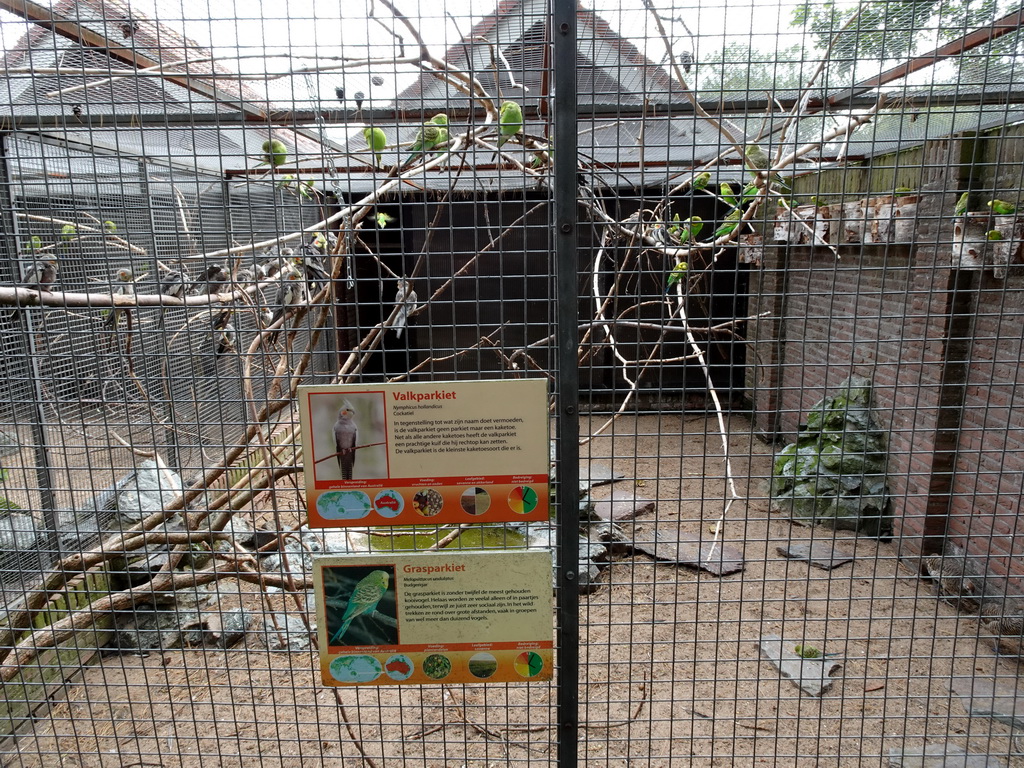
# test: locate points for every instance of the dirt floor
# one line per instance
(671, 671)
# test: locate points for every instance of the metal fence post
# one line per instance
(567, 387)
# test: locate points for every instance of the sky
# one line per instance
(303, 29)
(295, 32)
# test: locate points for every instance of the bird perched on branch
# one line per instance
(756, 157)
(216, 279)
(432, 133)
(961, 204)
(376, 141)
(405, 299)
(225, 340)
(41, 274)
(700, 181)
(225, 334)
(123, 284)
(275, 153)
(726, 193)
(292, 293)
(345, 436)
(678, 273)
(728, 226)
(174, 282)
(689, 228)
(661, 234)
(510, 121)
(1001, 207)
(368, 593)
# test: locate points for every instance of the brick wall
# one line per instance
(942, 346)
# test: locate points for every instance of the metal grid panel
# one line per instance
(685, 613)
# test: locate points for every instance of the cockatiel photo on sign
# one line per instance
(345, 436)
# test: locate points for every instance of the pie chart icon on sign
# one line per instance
(522, 500)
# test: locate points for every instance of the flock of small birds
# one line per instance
(299, 274)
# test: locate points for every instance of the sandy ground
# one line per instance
(671, 672)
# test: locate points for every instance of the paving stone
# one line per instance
(594, 473)
(817, 553)
(985, 697)
(623, 504)
(685, 549)
(812, 676)
(939, 756)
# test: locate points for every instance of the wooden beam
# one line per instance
(73, 30)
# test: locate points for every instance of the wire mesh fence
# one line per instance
(767, 259)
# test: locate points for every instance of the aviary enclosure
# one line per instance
(766, 257)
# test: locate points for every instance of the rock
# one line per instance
(141, 569)
(340, 541)
(812, 676)
(146, 490)
(612, 535)
(622, 504)
(685, 549)
(539, 535)
(142, 631)
(241, 531)
(817, 553)
(227, 628)
(586, 576)
(939, 756)
(288, 634)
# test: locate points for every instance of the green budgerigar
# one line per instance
(756, 157)
(726, 193)
(376, 140)
(678, 273)
(809, 652)
(510, 121)
(690, 228)
(275, 153)
(1001, 207)
(961, 205)
(364, 599)
(432, 133)
(700, 181)
(729, 225)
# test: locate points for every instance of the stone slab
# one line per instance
(984, 697)
(939, 756)
(812, 676)
(685, 549)
(623, 504)
(817, 553)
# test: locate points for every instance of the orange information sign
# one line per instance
(434, 617)
(425, 453)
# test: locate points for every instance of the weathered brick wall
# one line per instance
(871, 314)
(984, 518)
(942, 347)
